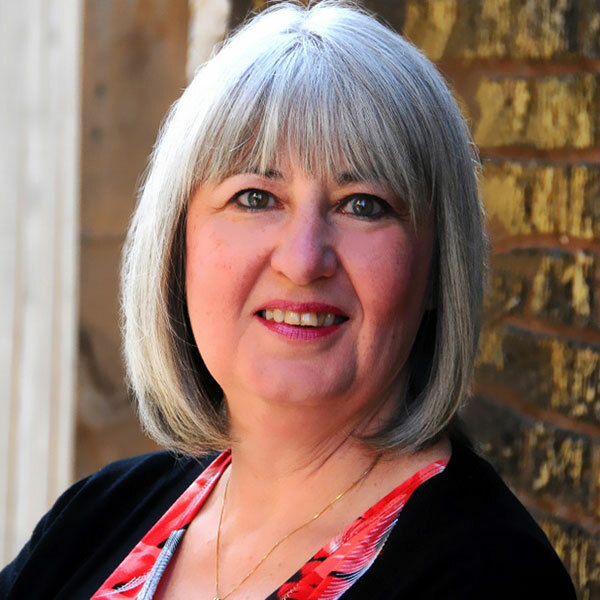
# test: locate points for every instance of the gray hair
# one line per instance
(343, 93)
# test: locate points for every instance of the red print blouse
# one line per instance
(326, 576)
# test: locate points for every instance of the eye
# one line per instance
(254, 199)
(365, 206)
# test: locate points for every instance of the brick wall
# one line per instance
(527, 76)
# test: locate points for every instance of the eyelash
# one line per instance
(384, 207)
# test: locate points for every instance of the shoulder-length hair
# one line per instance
(342, 92)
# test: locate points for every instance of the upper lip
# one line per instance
(303, 307)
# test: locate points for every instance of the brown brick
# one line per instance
(561, 466)
(430, 23)
(544, 29)
(579, 551)
(507, 287)
(541, 28)
(533, 457)
(575, 380)
(498, 433)
(553, 285)
(588, 28)
(548, 373)
(534, 198)
(563, 289)
(544, 112)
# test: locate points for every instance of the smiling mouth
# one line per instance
(301, 319)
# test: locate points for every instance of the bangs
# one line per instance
(339, 120)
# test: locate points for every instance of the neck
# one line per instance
(280, 454)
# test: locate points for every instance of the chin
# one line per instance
(284, 394)
(298, 387)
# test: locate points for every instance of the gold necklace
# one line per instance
(286, 536)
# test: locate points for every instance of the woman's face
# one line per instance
(305, 291)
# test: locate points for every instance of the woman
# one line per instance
(301, 292)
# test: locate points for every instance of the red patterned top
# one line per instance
(326, 576)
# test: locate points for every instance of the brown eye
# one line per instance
(254, 199)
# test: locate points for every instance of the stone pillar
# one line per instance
(208, 26)
(39, 176)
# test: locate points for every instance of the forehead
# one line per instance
(288, 166)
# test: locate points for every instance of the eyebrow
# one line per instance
(344, 178)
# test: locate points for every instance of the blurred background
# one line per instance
(84, 85)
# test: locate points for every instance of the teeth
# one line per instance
(306, 319)
(292, 318)
(309, 319)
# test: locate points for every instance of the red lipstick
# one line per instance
(299, 332)
(301, 307)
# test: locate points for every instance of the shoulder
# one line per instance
(469, 494)
(463, 534)
(126, 484)
(485, 536)
(139, 475)
(95, 523)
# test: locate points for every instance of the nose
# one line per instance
(305, 252)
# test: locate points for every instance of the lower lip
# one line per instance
(299, 333)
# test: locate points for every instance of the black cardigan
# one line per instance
(462, 535)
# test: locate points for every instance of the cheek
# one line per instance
(390, 272)
(390, 278)
(220, 264)
(208, 270)
(219, 270)
(210, 281)
(224, 263)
